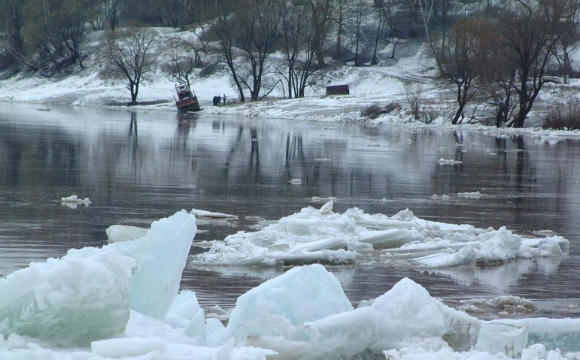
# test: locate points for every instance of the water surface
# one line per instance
(139, 167)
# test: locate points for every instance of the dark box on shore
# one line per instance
(337, 90)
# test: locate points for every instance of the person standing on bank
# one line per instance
(224, 98)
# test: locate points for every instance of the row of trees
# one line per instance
(498, 51)
(505, 56)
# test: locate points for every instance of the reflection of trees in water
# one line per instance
(255, 156)
(136, 159)
(37, 155)
(524, 172)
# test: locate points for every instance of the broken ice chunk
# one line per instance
(76, 200)
(160, 255)
(279, 306)
(407, 311)
(212, 215)
(449, 162)
(183, 309)
(119, 233)
(509, 339)
(72, 300)
(470, 195)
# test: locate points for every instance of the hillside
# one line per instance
(402, 78)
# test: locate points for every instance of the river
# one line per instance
(137, 167)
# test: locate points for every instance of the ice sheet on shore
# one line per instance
(323, 236)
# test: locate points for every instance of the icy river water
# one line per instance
(139, 167)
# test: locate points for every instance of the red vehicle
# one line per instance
(187, 101)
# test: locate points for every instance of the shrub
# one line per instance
(375, 110)
(563, 117)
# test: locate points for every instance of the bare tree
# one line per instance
(183, 60)
(256, 33)
(57, 30)
(358, 29)
(530, 32)
(339, 19)
(293, 23)
(299, 43)
(382, 10)
(178, 13)
(322, 11)
(12, 21)
(225, 31)
(462, 58)
(132, 55)
(568, 41)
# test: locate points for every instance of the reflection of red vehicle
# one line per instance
(187, 101)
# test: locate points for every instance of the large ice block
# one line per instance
(161, 256)
(509, 339)
(72, 300)
(563, 334)
(404, 313)
(280, 305)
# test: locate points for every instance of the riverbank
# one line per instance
(412, 75)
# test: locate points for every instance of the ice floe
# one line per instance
(470, 195)
(302, 314)
(323, 236)
(74, 199)
(120, 233)
(449, 162)
(202, 214)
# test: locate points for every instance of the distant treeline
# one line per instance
(503, 51)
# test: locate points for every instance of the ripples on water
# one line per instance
(137, 168)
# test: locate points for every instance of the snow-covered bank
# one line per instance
(381, 84)
(323, 236)
(92, 305)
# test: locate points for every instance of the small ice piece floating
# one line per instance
(449, 162)
(202, 214)
(73, 201)
(320, 199)
(295, 182)
(323, 236)
(470, 195)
